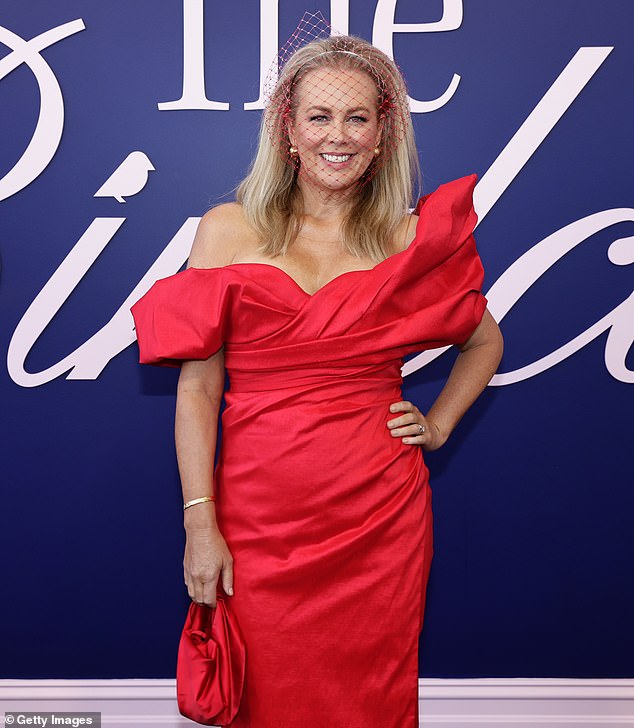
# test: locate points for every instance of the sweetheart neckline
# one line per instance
(308, 295)
(290, 278)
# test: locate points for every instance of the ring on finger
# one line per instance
(421, 429)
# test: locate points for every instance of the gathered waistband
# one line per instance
(383, 377)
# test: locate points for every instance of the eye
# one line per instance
(358, 119)
(318, 117)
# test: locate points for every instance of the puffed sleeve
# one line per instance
(433, 296)
(450, 289)
(182, 317)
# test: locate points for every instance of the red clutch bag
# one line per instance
(211, 664)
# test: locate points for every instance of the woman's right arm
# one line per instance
(198, 399)
(207, 555)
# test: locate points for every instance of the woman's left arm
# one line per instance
(477, 362)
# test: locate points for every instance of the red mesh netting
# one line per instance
(337, 107)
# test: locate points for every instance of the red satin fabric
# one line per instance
(211, 664)
(328, 517)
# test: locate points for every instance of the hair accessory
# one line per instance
(361, 107)
(211, 664)
(196, 501)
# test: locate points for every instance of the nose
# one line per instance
(338, 133)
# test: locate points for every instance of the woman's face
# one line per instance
(335, 127)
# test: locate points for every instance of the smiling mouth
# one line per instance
(336, 157)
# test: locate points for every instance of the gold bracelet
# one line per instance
(194, 502)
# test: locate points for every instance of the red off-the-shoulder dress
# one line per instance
(328, 517)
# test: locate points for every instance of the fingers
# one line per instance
(208, 590)
(411, 426)
(201, 589)
(203, 563)
(227, 577)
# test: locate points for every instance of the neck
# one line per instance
(320, 204)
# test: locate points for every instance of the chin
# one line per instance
(331, 184)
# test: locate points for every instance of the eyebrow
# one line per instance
(349, 111)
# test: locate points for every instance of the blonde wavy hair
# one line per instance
(269, 194)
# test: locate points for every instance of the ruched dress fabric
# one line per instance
(328, 517)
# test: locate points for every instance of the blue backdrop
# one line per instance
(533, 495)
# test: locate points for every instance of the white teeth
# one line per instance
(336, 157)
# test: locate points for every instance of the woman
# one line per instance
(309, 291)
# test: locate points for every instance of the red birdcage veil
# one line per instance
(336, 107)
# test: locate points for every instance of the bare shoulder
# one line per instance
(405, 232)
(222, 232)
